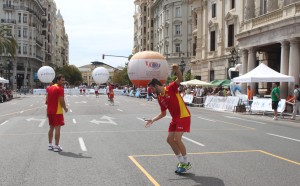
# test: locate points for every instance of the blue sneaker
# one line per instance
(180, 168)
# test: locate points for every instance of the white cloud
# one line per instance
(97, 27)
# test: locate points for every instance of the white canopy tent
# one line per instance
(2, 80)
(263, 73)
(196, 82)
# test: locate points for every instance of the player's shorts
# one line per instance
(96, 91)
(180, 125)
(275, 105)
(56, 120)
(111, 95)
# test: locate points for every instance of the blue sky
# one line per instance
(97, 27)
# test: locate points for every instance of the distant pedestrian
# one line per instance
(249, 95)
(296, 102)
(111, 94)
(275, 95)
(170, 99)
(55, 105)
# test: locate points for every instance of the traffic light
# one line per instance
(103, 55)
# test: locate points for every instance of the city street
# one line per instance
(109, 145)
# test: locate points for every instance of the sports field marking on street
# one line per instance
(31, 105)
(82, 145)
(120, 110)
(74, 121)
(4, 122)
(154, 182)
(190, 140)
(283, 137)
(22, 112)
(71, 110)
(207, 119)
(245, 119)
(140, 119)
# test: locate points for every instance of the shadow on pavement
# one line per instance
(202, 180)
(73, 155)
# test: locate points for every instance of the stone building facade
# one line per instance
(265, 31)
(165, 27)
(32, 24)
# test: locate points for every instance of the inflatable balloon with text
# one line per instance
(100, 75)
(146, 65)
(46, 74)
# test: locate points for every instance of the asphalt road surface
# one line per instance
(109, 145)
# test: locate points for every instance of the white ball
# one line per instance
(46, 74)
(100, 75)
(146, 65)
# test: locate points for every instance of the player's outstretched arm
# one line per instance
(149, 122)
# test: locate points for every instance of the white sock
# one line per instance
(185, 159)
(180, 158)
(50, 144)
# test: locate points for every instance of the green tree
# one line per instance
(121, 77)
(71, 73)
(7, 42)
(188, 76)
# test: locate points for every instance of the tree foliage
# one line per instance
(71, 73)
(188, 76)
(7, 43)
(121, 77)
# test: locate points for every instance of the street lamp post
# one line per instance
(182, 66)
(233, 60)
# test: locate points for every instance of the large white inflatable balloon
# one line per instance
(146, 65)
(100, 75)
(46, 74)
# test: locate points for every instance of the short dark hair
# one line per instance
(58, 77)
(154, 82)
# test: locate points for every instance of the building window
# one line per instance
(230, 35)
(177, 47)
(19, 32)
(177, 30)
(24, 18)
(213, 10)
(19, 17)
(212, 40)
(194, 46)
(25, 32)
(264, 8)
(167, 14)
(212, 75)
(177, 12)
(25, 49)
(232, 4)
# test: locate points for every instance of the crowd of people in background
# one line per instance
(5, 93)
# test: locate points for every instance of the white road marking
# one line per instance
(284, 137)
(70, 110)
(74, 121)
(21, 111)
(245, 120)
(42, 121)
(120, 110)
(82, 145)
(140, 119)
(4, 122)
(197, 143)
(207, 119)
(31, 105)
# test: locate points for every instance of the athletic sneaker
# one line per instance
(187, 166)
(275, 118)
(57, 148)
(50, 147)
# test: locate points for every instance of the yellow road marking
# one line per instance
(279, 157)
(18, 112)
(144, 171)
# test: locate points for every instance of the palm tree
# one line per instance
(7, 43)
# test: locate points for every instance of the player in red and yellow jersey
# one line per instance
(55, 105)
(170, 99)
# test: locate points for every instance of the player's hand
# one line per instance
(175, 67)
(149, 122)
(66, 109)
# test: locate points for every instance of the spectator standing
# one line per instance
(249, 95)
(275, 95)
(295, 102)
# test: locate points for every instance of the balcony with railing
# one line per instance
(8, 21)
(272, 17)
(8, 7)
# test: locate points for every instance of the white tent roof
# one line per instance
(2, 80)
(196, 82)
(263, 73)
